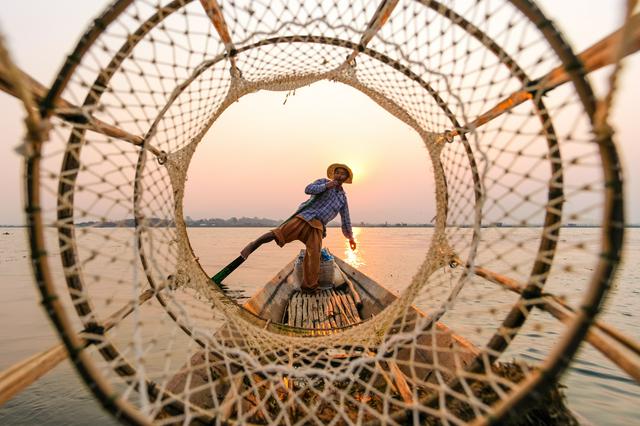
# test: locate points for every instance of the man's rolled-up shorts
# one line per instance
(310, 233)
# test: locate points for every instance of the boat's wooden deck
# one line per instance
(323, 311)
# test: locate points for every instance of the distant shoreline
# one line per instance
(366, 225)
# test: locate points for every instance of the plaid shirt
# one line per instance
(327, 204)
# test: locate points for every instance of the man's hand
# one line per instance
(352, 243)
(333, 184)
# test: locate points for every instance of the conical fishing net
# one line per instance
(519, 164)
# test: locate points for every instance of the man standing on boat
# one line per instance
(308, 223)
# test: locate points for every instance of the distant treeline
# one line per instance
(234, 222)
(256, 222)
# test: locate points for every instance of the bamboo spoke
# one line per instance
(19, 376)
(609, 341)
(401, 383)
(599, 55)
(379, 19)
(217, 19)
(228, 404)
(598, 338)
(69, 112)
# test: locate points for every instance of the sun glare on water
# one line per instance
(353, 257)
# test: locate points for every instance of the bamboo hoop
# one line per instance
(53, 104)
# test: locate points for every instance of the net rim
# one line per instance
(611, 241)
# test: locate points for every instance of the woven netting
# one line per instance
(507, 118)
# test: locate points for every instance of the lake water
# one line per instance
(596, 389)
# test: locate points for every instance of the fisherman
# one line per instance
(308, 223)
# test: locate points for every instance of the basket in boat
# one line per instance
(328, 273)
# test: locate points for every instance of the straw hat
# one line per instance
(334, 166)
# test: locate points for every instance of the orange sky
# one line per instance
(261, 170)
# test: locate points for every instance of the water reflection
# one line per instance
(354, 257)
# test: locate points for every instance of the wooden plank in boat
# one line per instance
(347, 311)
(295, 303)
(314, 313)
(327, 296)
(324, 311)
(337, 315)
(322, 315)
(344, 318)
(305, 311)
(293, 311)
(325, 308)
(352, 306)
(319, 316)
(299, 310)
(308, 312)
(288, 312)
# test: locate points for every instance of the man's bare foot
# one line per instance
(248, 249)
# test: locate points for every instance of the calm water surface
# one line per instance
(596, 389)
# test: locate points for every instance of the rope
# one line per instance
(515, 168)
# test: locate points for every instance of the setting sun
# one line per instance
(358, 169)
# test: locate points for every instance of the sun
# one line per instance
(358, 169)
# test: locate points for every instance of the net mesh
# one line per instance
(516, 166)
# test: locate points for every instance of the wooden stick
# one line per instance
(13, 76)
(227, 406)
(19, 376)
(351, 287)
(351, 307)
(337, 314)
(343, 310)
(517, 287)
(314, 311)
(327, 312)
(606, 339)
(299, 310)
(380, 17)
(306, 314)
(217, 19)
(69, 112)
(401, 382)
(347, 309)
(599, 55)
(598, 339)
(287, 313)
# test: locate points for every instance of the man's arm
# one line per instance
(346, 225)
(317, 187)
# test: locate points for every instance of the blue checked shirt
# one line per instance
(327, 204)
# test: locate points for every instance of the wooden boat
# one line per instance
(352, 299)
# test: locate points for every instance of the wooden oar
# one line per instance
(224, 273)
(227, 270)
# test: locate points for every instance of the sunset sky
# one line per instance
(288, 145)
